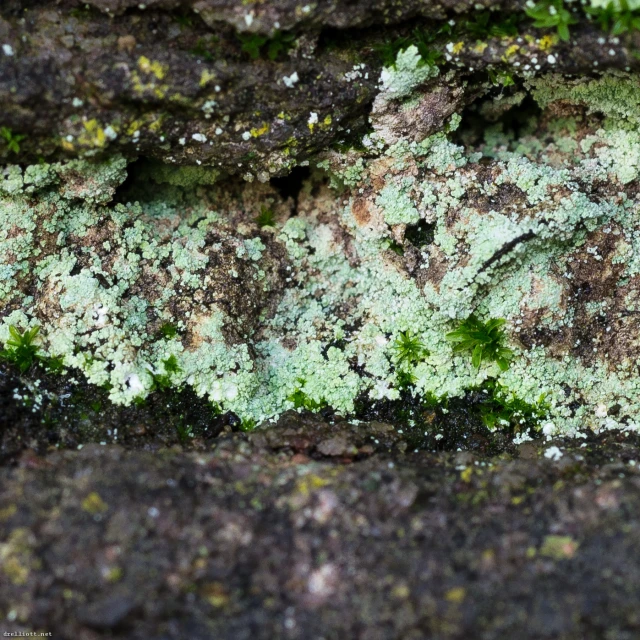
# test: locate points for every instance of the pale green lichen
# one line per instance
(409, 71)
(397, 205)
(613, 94)
(542, 229)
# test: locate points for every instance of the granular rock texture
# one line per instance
(320, 320)
(307, 530)
(344, 290)
(234, 85)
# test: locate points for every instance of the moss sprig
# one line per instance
(552, 14)
(484, 340)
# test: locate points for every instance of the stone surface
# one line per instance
(264, 537)
(431, 176)
(168, 83)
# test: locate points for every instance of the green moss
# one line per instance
(483, 340)
(422, 39)
(616, 17)
(301, 400)
(266, 217)
(169, 369)
(169, 330)
(502, 409)
(552, 14)
(490, 24)
(12, 140)
(20, 349)
(408, 349)
(272, 47)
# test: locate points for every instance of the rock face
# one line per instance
(319, 320)
(177, 80)
(258, 539)
(344, 292)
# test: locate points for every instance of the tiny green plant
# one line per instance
(616, 18)
(255, 44)
(486, 24)
(55, 364)
(183, 431)
(484, 340)
(171, 367)
(80, 12)
(302, 401)
(168, 330)
(20, 349)
(502, 409)
(396, 248)
(405, 379)
(248, 424)
(266, 217)
(184, 20)
(388, 50)
(550, 14)
(11, 139)
(201, 50)
(408, 349)
(422, 39)
(501, 78)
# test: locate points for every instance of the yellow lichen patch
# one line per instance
(15, 571)
(465, 476)
(215, 594)
(327, 121)
(140, 87)
(206, 77)
(401, 591)
(113, 574)
(511, 51)
(154, 67)
(256, 133)
(94, 504)
(559, 547)
(480, 47)
(457, 47)
(15, 556)
(134, 126)
(455, 595)
(7, 512)
(546, 42)
(93, 135)
(310, 483)
(156, 122)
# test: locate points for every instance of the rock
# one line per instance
(107, 612)
(245, 537)
(337, 446)
(173, 81)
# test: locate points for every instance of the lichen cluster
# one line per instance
(190, 285)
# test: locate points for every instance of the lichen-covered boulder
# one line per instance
(359, 295)
(136, 296)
